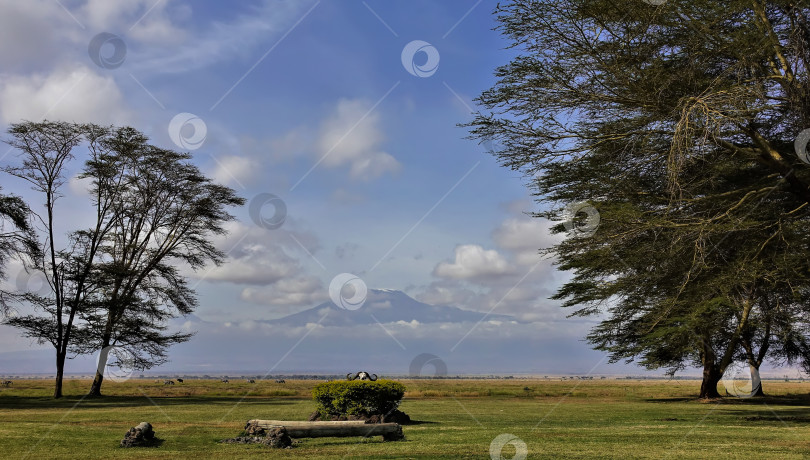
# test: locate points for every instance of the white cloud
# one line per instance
(259, 257)
(352, 136)
(525, 237)
(255, 263)
(32, 33)
(512, 278)
(288, 292)
(145, 21)
(73, 93)
(184, 51)
(473, 262)
(80, 187)
(235, 170)
(412, 330)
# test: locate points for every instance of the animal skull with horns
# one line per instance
(361, 376)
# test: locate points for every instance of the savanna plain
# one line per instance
(612, 418)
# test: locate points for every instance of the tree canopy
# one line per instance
(678, 123)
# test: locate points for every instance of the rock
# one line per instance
(397, 416)
(278, 438)
(139, 436)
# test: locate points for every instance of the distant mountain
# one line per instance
(385, 306)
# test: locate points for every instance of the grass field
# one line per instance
(456, 419)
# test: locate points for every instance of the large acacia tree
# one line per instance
(677, 123)
(116, 282)
(167, 212)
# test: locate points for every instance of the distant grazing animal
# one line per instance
(180, 380)
(7, 383)
(168, 382)
(251, 381)
(362, 376)
(224, 380)
(280, 381)
(157, 380)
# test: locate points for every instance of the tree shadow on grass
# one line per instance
(787, 400)
(420, 422)
(764, 409)
(769, 414)
(670, 400)
(156, 442)
(41, 402)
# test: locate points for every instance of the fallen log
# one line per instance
(299, 429)
(271, 423)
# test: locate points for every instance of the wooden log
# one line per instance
(270, 423)
(298, 429)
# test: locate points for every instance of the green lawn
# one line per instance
(456, 419)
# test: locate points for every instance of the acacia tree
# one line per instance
(45, 150)
(677, 123)
(114, 284)
(167, 211)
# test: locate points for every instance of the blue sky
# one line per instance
(310, 101)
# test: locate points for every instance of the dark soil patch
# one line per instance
(275, 437)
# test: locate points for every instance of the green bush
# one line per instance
(358, 397)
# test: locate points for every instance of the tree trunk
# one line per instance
(711, 377)
(756, 381)
(95, 388)
(60, 372)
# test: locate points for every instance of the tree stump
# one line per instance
(277, 437)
